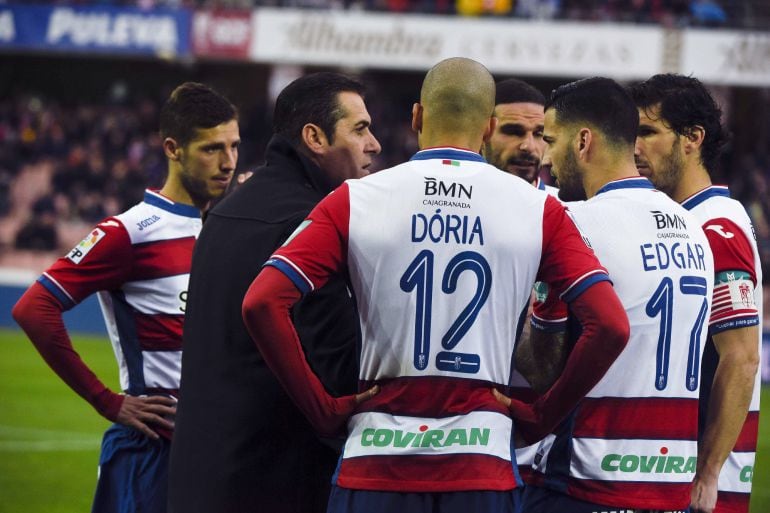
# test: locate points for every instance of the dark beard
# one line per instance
(571, 185)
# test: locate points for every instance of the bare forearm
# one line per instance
(730, 397)
(540, 358)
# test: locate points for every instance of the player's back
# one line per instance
(632, 440)
(452, 244)
(442, 252)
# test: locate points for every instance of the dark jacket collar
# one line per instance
(280, 152)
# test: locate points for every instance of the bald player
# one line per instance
(436, 267)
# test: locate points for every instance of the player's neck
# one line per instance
(613, 170)
(176, 192)
(694, 179)
(450, 140)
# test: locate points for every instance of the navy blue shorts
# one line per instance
(345, 500)
(543, 500)
(133, 473)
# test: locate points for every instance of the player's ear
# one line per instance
(417, 118)
(583, 141)
(314, 138)
(490, 128)
(693, 138)
(172, 149)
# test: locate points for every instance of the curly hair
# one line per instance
(685, 103)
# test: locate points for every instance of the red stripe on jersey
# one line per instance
(616, 417)
(732, 502)
(162, 258)
(432, 397)
(732, 314)
(747, 439)
(653, 495)
(456, 472)
(159, 332)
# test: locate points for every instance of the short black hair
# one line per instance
(514, 90)
(192, 106)
(312, 99)
(685, 103)
(601, 102)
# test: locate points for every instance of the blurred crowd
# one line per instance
(670, 13)
(65, 167)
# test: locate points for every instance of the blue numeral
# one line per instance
(696, 286)
(466, 261)
(662, 302)
(419, 276)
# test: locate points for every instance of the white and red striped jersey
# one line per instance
(439, 251)
(632, 441)
(737, 304)
(139, 264)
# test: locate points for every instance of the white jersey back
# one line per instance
(632, 440)
(441, 252)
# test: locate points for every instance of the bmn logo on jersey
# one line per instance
(435, 187)
(665, 220)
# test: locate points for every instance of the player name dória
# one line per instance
(447, 228)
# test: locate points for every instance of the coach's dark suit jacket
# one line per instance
(240, 444)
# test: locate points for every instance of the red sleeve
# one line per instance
(732, 250)
(567, 264)
(266, 314)
(604, 336)
(318, 247)
(39, 314)
(101, 261)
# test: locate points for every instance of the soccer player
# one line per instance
(436, 268)
(138, 263)
(678, 146)
(517, 146)
(240, 443)
(631, 443)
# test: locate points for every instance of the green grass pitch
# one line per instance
(49, 437)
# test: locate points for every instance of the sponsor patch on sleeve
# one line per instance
(733, 293)
(84, 246)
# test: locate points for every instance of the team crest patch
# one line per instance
(84, 246)
(304, 224)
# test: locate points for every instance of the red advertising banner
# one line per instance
(224, 34)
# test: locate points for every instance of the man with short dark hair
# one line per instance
(678, 146)
(631, 442)
(240, 444)
(516, 146)
(436, 268)
(138, 263)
